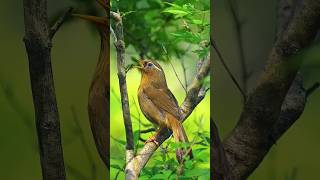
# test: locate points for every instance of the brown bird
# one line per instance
(159, 105)
(99, 100)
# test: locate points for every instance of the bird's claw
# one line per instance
(152, 139)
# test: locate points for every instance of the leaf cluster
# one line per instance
(151, 26)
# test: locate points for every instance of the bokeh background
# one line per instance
(295, 155)
(74, 56)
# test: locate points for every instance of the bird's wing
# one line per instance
(163, 99)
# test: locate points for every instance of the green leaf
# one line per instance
(196, 172)
(188, 164)
(187, 36)
(177, 12)
(166, 173)
(196, 21)
(173, 5)
(203, 52)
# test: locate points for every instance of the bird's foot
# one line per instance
(152, 139)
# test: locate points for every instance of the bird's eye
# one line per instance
(149, 64)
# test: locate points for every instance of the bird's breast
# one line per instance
(150, 111)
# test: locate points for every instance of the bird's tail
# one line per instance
(179, 135)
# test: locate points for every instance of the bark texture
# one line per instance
(278, 99)
(38, 45)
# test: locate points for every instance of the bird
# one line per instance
(159, 105)
(99, 91)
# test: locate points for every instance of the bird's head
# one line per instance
(151, 71)
(149, 67)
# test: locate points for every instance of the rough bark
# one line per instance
(266, 111)
(38, 45)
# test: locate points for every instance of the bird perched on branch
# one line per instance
(99, 100)
(159, 105)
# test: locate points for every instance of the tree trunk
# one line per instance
(38, 45)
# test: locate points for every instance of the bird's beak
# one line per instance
(138, 64)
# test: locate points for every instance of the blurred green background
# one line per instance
(74, 56)
(295, 156)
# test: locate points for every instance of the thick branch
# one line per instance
(250, 140)
(194, 93)
(291, 109)
(38, 46)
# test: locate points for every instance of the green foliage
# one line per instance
(164, 165)
(151, 24)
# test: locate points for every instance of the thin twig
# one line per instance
(120, 47)
(184, 70)
(147, 130)
(59, 22)
(238, 28)
(175, 72)
(313, 88)
(213, 44)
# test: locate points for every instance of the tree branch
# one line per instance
(314, 87)
(224, 64)
(38, 45)
(250, 141)
(238, 28)
(120, 47)
(55, 28)
(291, 109)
